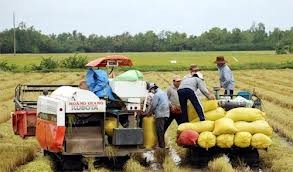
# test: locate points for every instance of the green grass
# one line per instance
(145, 60)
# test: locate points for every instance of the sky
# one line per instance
(112, 17)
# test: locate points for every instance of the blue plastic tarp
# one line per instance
(98, 82)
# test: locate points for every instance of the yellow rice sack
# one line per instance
(260, 141)
(262, 126)
(242, 139)
(245, 114)
(224, 126)
(199, 126)
(244, 126)
(212, 115)
(216, 114)
(208, 105)
(259, 126)
(149, 132)
(206, 139)
(185, 126)
(110, 124)
(225, 140)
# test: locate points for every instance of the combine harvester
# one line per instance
(71, 123)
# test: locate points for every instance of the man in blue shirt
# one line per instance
(160, 108)
(226, 76)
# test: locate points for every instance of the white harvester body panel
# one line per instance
(49, 105)
(133, 92)
(68, 99)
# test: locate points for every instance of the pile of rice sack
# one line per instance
(240, 127)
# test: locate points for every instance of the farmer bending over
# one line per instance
(186, 91)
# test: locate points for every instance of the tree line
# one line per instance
(30, 40)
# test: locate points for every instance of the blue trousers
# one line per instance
(229, 93)
(188, 94)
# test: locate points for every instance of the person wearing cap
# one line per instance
(186, 91)
(193, 68)
(160, 108)
(226, 76)
(175, 110)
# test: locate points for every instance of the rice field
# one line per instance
(164, 58)
(275, 87)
